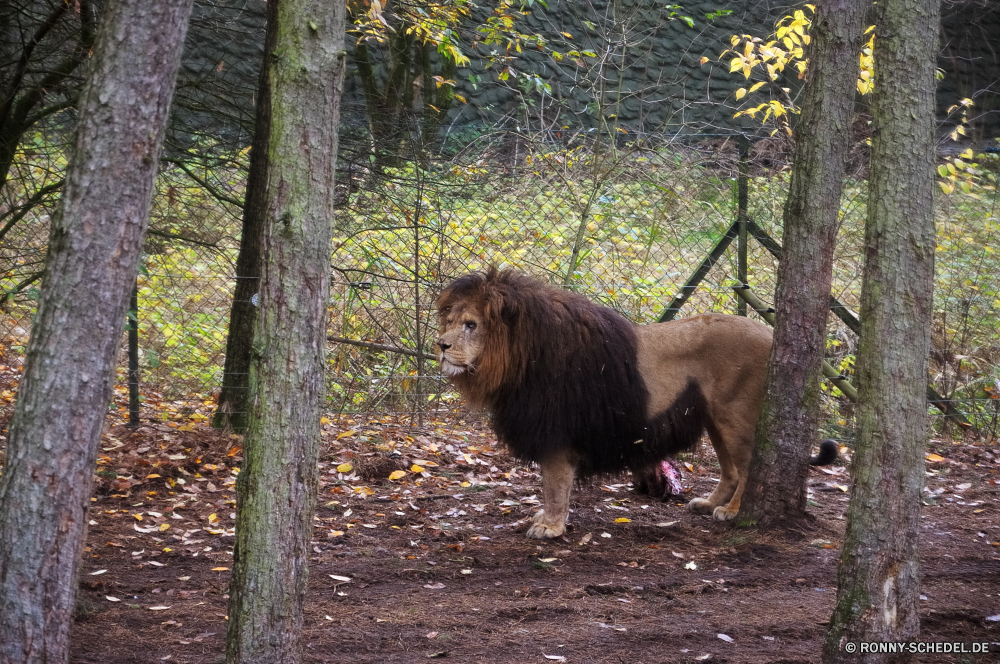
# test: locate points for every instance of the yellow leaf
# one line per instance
(622, 519)
(220, 569)
(935, 457)
(138, 517)
(741, 93)
(164, 526)
(416, 469)
(346, 434)
(397, 474)
(151, 476)
(703, 60)
(345, 468)
(324, 420)
(212, 518)
(756, 86)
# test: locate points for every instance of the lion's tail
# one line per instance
(827, 454)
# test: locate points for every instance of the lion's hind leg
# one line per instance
(724, 502)
(557, 483)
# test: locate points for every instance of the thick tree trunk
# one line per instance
(233, 409)
(878, 588)
(94, 246)
(776, 486)
(276, 490)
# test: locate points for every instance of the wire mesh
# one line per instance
(625, 221)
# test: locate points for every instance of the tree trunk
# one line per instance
(94, 245)
(276, 489)
(776, 485)
(233, 397)
(878, 587)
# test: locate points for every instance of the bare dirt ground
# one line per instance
(435, 564)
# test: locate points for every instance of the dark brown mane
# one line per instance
(558, 371)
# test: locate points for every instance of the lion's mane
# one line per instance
(557, 372)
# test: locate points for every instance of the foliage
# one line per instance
(767, 61)
(655, 210)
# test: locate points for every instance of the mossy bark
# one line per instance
(94, 244)
(878, 586)
(776, 488)
(276, 489)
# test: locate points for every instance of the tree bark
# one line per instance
(276, 489)
(878, 586)
(776, 486)
(94, 245)
(233, 408)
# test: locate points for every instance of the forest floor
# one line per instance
(435, 564)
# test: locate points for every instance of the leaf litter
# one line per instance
(427, 564)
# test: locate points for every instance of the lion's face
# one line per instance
(461, 340)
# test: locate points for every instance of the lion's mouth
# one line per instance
(449, 368)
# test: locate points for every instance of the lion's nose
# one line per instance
(442, 345)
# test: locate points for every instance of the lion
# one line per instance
(581, 391)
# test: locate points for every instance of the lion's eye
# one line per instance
(470, 325)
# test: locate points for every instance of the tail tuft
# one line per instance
(827, 454)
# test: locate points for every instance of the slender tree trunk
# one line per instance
(878, 587)
(94, 246)
(776, 486)
(276, 490)
(233, 397)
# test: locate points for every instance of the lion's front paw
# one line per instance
(542, 528)
(700, 506)
(724, 513)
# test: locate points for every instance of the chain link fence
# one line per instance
(626, 220)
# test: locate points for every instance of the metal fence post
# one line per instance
(133, 356)
(743, 195)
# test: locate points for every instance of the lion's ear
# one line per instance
(497, 307)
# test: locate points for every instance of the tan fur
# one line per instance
(728, 356)
(725, 356)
